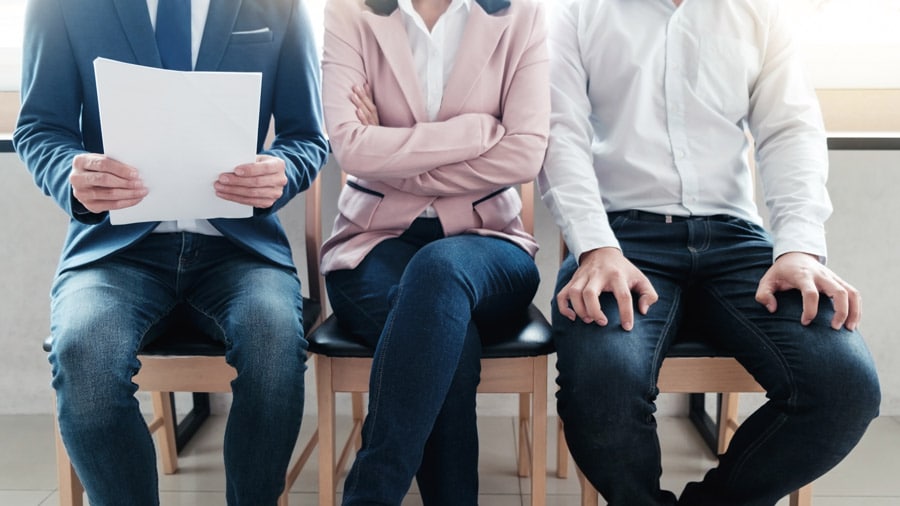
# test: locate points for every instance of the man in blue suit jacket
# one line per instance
(116, 284)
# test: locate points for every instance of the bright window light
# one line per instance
(847, 43)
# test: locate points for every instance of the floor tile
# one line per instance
(23, 497)
(867, 477)
(27, 453)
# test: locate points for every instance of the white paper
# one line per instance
(181, 130)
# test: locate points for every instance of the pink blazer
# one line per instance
(491, 131)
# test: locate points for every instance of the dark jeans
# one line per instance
(103, 313)
(418, 300)
(821, 383)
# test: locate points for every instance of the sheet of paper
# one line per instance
(180, 130)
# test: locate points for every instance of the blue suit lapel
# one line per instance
(217, 33)
(136, 23)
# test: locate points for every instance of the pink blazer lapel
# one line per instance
(480, 39)
(390, 35)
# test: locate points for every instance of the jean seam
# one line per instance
(663, 338)
(378, 375)
(790, 401)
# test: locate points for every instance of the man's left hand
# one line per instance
(258, 184)
(803, 272)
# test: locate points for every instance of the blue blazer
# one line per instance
(59, 117)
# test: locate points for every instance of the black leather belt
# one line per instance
(634, 214)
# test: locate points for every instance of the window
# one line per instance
(12, 16)
(848, 43)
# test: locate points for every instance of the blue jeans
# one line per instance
(103, 313)
(821, 383)
(420, 300)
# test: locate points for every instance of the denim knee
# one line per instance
(92, 381)
(842, 380)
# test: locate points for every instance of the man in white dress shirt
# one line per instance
(648, 175)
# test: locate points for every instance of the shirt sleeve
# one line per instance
(567, 182)
(516, 156)
(791, 147)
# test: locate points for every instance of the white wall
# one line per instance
(863, 241)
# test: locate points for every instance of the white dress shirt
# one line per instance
(434, 53)
(199, 12)
(670, 94)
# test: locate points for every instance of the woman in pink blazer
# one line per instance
(435, 109)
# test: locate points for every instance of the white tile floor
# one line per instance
(868, 477)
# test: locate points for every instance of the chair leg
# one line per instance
(71, 493)
(728, 420)
(562, 451)
(294, 472)
(327, 479)
(356, 400)
(539, 434)
(589, 495)
(802, 496)
(165, 430)
(524, 423)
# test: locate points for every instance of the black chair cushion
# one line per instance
(182, 337)
(529, 337)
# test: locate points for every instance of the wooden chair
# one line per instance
(184, 359)
(514, 361)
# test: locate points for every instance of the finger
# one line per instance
(562, 304)
(626, 308)
(810, 296)
(573, 294)
(249, 192)
(275, 180)
(368, 102)
(262, 167)
(854, 315)
(765, 295)
(362, 117)
(100, 163)
(647, 295)
(593, 312)
(840, 302)
(262, 202)
(89, 179)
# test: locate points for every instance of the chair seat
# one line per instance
(529, 339)
(692, 343)
(183, 338)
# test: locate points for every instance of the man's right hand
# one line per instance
(605, 270)
(101, 183)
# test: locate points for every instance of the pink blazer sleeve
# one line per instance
(519, 153)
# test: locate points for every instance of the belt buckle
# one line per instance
(668, 218)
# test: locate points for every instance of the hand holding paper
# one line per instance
(102, 184)
(183, 131)
(257, 184)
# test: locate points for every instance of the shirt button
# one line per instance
(679, 153)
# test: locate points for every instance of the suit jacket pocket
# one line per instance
(358, 204)
(251, 36)
(498, 209)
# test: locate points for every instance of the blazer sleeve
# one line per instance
(378, 152)
(517, 155)
(48, 132)
(297, 109)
